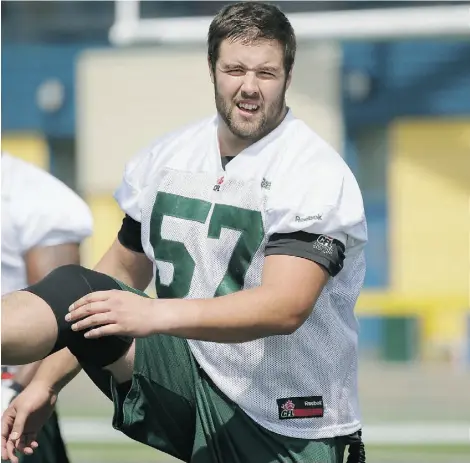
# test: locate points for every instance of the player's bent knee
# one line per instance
(61, 288)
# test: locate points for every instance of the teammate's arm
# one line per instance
(41, 260)
(56, 371)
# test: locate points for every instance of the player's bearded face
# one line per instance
(250, 86)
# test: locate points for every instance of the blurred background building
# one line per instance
(87, 84)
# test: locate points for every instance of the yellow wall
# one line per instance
(429, 194)
(31, 147)
(107, 218)
(122, 93)
(107, 215)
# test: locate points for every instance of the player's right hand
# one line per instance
(24, 418)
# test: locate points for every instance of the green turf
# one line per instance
(134, 452)
(440, 449)
(418, 453)
(116, 452)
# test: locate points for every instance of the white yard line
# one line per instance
(99, 430)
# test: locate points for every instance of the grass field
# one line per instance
(411, 414)
(130, 453)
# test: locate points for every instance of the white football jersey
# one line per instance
(206, 228)
(37, 210)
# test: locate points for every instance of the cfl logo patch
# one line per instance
(324, 244)
(218, 184)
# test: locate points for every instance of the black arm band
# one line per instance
(60, 289)
(325, 251)
(130, 234)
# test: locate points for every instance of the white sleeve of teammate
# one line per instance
(49, 213)
(129, 194)
(321, 198)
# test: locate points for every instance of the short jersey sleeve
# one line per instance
(130, 192)
(47, 212)
(142, 171)
(317, 204)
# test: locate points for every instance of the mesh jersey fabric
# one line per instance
(205, 229)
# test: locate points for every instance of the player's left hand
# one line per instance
(112, 313)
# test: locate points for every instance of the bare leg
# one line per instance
(29, 333)
(123, 368)
(29, 328)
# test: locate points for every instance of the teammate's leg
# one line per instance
(152, 381)
(34, 326)
(23, 314)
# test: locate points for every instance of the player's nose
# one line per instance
(249, 86)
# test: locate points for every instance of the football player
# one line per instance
(255, 228)
(43, 224)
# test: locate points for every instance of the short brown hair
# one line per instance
(249, 22)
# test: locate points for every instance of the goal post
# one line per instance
(130, 28)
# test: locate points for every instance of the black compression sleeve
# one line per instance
(61, 288)
(326, 251)
(130, 234)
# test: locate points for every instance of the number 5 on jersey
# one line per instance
(248, 222)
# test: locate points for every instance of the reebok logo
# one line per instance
(313, 403)
(309, 217)
(300, 407)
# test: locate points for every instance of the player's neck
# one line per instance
(231, 145)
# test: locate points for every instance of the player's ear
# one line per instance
(289, 79)
(211, 71)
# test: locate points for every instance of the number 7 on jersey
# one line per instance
(248, 222)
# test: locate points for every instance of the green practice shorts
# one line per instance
(173, 406)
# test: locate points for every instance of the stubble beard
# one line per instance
(268, 118)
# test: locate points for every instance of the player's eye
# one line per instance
(267, 75)
(236, 72)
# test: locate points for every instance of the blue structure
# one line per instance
(24, 69)
(407, 79)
